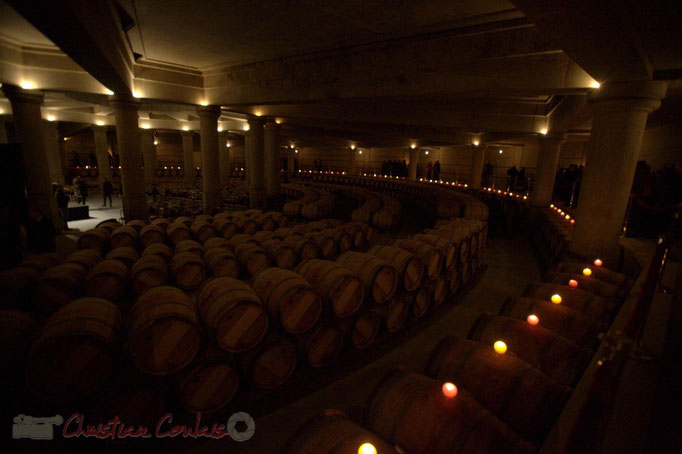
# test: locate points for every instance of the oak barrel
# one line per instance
(159, 249)
(209, 383)
(408, 265)
(148, 272)
(271, 364)
(86, 258)
(123, 236)
(252, 258)
(380, 278)
(341, 290)
(152, 234)
(125, 254)
(108, 279)
(97, 239)
(58, 286)
(188, 270)
(222, 262)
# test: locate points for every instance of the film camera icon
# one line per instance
(35, 428)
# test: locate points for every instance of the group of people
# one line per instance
(567, 184)
(516, 179)
(317, 165)
(655, 195)
(433, 171)
(394, 168)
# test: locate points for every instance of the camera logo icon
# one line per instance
(35, 428)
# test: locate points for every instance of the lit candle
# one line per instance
(573, 283)
(500, 347)
(598, 262)
(449, 390)
(587, 271)
(572, 221)
(533, 319)
(367, 448)
(551, 205)
(568, 217)
(556, 298)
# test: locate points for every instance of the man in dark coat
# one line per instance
(107, 190)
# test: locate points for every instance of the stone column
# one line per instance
(352, 153)
(103, 167)
(54, 153)
(620, 115)
(223, 158)
(477, 162)
(128, 138)
(148, 155)
(412, 165)
(28, 126)
(210, 159)
(188, 156)
(290, 160)
(271, 159)
(255, 151)
(548, 159)
(3, 131)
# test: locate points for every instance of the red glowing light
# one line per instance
(533, 319)
(573, 283)
(598, 262)
(449, 390)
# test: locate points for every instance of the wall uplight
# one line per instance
(137, 94)
(203, 103)
(108, 92)
(99, 123)
(296, 150)
(220, 129)
(185, 128)
(359, 151)
(499, 151)
(246, 127)
(595, 84)
(413, 146)
(145, 126)
(258, 113)
(352, 146)
(475, 142)
(27, 85)
(50, 118)
(156, 142)
(426, 151)
(543, 131)
(228, 144)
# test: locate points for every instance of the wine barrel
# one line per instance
(358, 236)
(447, 248)
(108, 279)
(137, 224)
(186, 220)
(431, 258)
(264, 236)
(246, 225)
(589, 284)
(380, 278)
(177, 232)
(110, 225)
(409, 266)
(410, 410)
(598, 272)
(74, 353)
(344, 242)
(162, 222)
(322, 345)
(325, 242)
(123, 236)
(458, 238)
(97, 239)
(203, 230)
(19, 328)
(520, 395)
(395, 313)
(226, 227)
(42, 262)
(438, 289)
(454, 279)
(190, 246)
(58, 286)
(332, 432)
(152, 234)
(148, 272)
(361, 330)
(420, 301)
(341, 290)
(464, 273)
(252, 258)
(86, 258)
(159, 249)
(242, 238)
(563, 320)
(271, 364)
(587, 303)
(305, 249)
(288, 298)
(126, 255)
(188, 270)
(209, 383)
(559, 358)
(16, 286)
(222, 262)
(163, 333)
(232, 313)
(281, 255)
(216, 242)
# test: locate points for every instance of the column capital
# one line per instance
(18, 94)
(550, 137)
(271, 124)
(187, 133)
(211, 111)
(50, 124)
(619, 96)
(146, 132)
(103, 128)
(255, 122)
(124, 101)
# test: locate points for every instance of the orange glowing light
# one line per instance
(367, 448)
(533, 319)
(449, 390)
(573, 283)
(598, 262)
(587, 272)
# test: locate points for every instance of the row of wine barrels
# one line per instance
(332, 432)
(409, 409)
(42, 262)
(19, 328)
(456, 237)
(73, 355)
(340, 289)
(322, 344)
(280, 254)
(380, 278)
(124, 254)
(589, 304)
(598, 272)
(97, 239)
(232, 313)
(410, 268)
(394, 313)
(563, 320)
(554, 355)
(86, 258)
(163, 332)
(590, 284)
(148, 272)
(123, 236)
(520, 395)
(270, 364)
(189, 246)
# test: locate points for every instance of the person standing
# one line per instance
(63, 205)
(436, 170)
(512, 173)
(429, 171)
(83, 189)
(107, 191)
